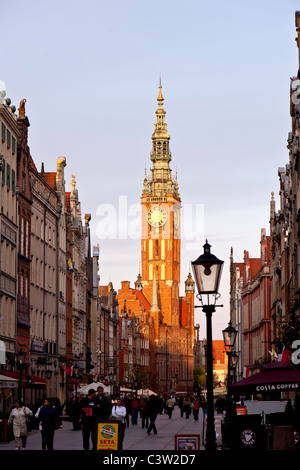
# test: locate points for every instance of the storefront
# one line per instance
(31, 388)
(264, 397)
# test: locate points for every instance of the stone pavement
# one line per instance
(136, 437)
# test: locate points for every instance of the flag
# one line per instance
(70, 265)
(272, 353)
(66, 369)
(246, 372)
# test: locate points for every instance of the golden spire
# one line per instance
(160, 97)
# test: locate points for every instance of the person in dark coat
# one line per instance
(143, 413)
(180, 405)
(87, 418)
(75, 411)
(135, 406)
(102, 403)
(152, 411)
(127, 404)
(50, 420)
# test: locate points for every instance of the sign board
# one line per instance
(187, 441)
(241, 410)
(108, 434)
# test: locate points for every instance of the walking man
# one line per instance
(50, 420)
(87, 418)
(103, 407)
(152, 411)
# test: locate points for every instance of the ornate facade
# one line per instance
(285, 231)
(250, 305)
(9, 135)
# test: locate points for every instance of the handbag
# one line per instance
(111, 415)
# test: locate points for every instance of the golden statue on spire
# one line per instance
(22, 108)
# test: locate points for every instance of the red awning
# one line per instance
(38, 381)
(278, 376)
(27, 379)
(14, 375)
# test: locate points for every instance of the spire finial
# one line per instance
(160, 97)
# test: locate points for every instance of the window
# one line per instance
(3, 172)
(27, 239)
(8, 138)
(8, 176)
(3, 132)
(22, 236)
(13, 181)
(13, 145)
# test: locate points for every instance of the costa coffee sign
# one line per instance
(280, 387)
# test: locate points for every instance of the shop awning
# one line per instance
(278, 376)
(27, 380)
(8, 382)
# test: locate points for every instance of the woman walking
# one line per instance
(18, 418)
(118, 411)
(170, 407)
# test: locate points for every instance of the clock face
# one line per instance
(157, 216)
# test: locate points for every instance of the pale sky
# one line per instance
(90, 73)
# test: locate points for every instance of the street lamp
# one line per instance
(75, 374)
(229, 335)
(21, 355)
(207, 271)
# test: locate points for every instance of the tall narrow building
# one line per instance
(171, 317)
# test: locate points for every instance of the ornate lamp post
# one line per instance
(229, 335)
(207, 271)
(75, 378)
(21, 357)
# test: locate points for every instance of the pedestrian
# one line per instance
(143, 412)
(152, 411)
(187, 406)
(180, 405)
(102, 403)
(49, 419)
(161, 405)
(18, 418)
(170, 406)
(87, 418)
(220, 404)
(196, 407)
(134, 409)
(118, 411)
(127, 404)
(75, 411)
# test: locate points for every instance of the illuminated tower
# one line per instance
(160, 244)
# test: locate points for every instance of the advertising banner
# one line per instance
(108, 435)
